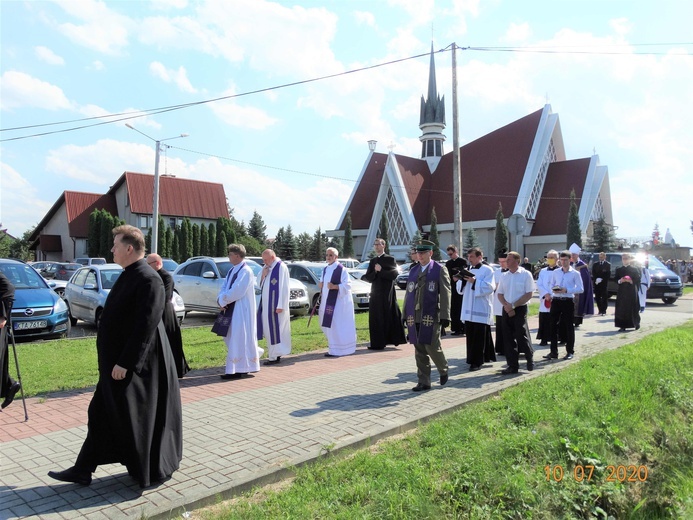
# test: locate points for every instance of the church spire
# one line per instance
(432, 120)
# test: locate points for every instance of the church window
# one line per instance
(535, 196)
(397, 231)
(439, 148)
(598, 211)
(429, 148)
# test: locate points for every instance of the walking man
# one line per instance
(273, 317)
(453, 265)
(337, 307)
(384, 315)
(514, 292)
(565, 284)
(426, 310)
(601, 272)
(8, 386)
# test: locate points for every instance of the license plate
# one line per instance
(669, 294)
(363, 300)
(24, 325)
(294, 304)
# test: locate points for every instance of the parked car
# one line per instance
(664, 284)
(199, 279)
(178, 306)
(60, 270)
(310, 272)
(39, 265)
(58, 286)
(169, 264)
(360, 269)
(87, 291)
(401, 280)
(38, 311)
(85, 260)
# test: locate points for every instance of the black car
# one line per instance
(664, 284)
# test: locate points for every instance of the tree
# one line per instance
(573, 232)
(106, 236)
(603, 237)
(278, 243)
(433, 235)
(416, 238)
(470, 239)
(19, 247)
(212, 236)
(257, 228)
(221, 245)
(169, 242)
(94, 233)
(317, 249)
(501, 238)
(185, 241)
(175, 246)
(335, 242)
(288, 250)
(195, 240)
(204, 241)
(253, 247)
(303, 244)
(385, 231)
(348, 237)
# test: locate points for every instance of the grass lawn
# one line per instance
(608, 437)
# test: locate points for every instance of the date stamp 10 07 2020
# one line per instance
(580, 473)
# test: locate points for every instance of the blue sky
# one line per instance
(294, 153)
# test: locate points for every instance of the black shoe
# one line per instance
(568, 356)
(74, 475)
(11, 392)
(420, 388)
(475, 368)
(530, 366)
(237, 375)
(551, 356)
(543, 344)
(509, 371)
(622, 329)
(327, 354)
(457, 333)
(637, 327)
(272, 361)
(443, 379)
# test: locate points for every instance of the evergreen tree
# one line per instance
(317, 248)
(603, 237)
(186, 245)
(221, 245)
(212, 237)
(303, 244)
(335, 242)
(169, 242)
(195, 240)
(252, 246)
(257, 228)
(204, 241)
(175, 247)
(416, 238)
(471, 239)
(433, 235)
(501, 238)
(19, 248)
(94, 233)
(106, 242)
(288, 250)
(573, 232)
(348, 237)
(148, 241)
(163, 248)
(385, 232)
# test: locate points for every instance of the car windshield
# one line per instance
(224, 267)
(254, 266)
(109, 277)
(23, 276)
(654, 263)
(363, 265)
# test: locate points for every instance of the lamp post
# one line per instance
(155, 202)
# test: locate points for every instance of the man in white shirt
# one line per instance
(514, 291)
(566, 282)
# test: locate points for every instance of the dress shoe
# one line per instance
(327, 354)
(475, 368)
(421, 388)
(568, 356)
(11, 392)
(443, 379)
(509, 371)
(73, 474)
(457, 333)
(622, 329)
(637, 327)
(551, 356)
(530, 366)
(272, 361)
(543, 344)
(237, 375)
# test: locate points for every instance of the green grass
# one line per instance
(67, 364)
(687, 290)
(632, 406)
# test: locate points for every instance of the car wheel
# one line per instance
(73, 320)
(60, 292)
(97, 317)
(669, 300)
(66, 334)
(316, 297)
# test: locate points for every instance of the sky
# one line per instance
(618, 73)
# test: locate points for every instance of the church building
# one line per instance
(522, 166)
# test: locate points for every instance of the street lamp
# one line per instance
(155, 202)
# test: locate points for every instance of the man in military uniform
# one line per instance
(426, 310)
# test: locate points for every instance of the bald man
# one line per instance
(273, 317)
(169, 318)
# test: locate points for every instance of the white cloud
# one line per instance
(48, 56)
(179, 77)
(102, 29)
(241, 116)
(166, 5)
(365, 18)
(96, 65)
(97, 111)
(518, 33)
(20, 202)
(18, 89)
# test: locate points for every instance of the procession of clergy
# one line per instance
(469, 296)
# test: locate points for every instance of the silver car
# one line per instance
(87, 290)
(310, 272)
(199, 279)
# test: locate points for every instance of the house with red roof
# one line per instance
(522, 166)
(63, 231)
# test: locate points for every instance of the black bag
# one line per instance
(223, 322)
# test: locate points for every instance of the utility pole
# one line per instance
(456, 171)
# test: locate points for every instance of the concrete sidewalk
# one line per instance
(239, 434)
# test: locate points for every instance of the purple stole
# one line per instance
(272, 316)
(430, 303)
(331, 295)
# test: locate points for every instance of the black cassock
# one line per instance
(456, 323)
(6, 299)
(172, 327)
(384, 314)
(627, 312)
(136, 421)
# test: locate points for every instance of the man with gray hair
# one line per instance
(337, 307)
(273, 318)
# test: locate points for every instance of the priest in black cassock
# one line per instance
(135, 415)
(453, 265)
(175, 339)
(384, 315)
(627, 313)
